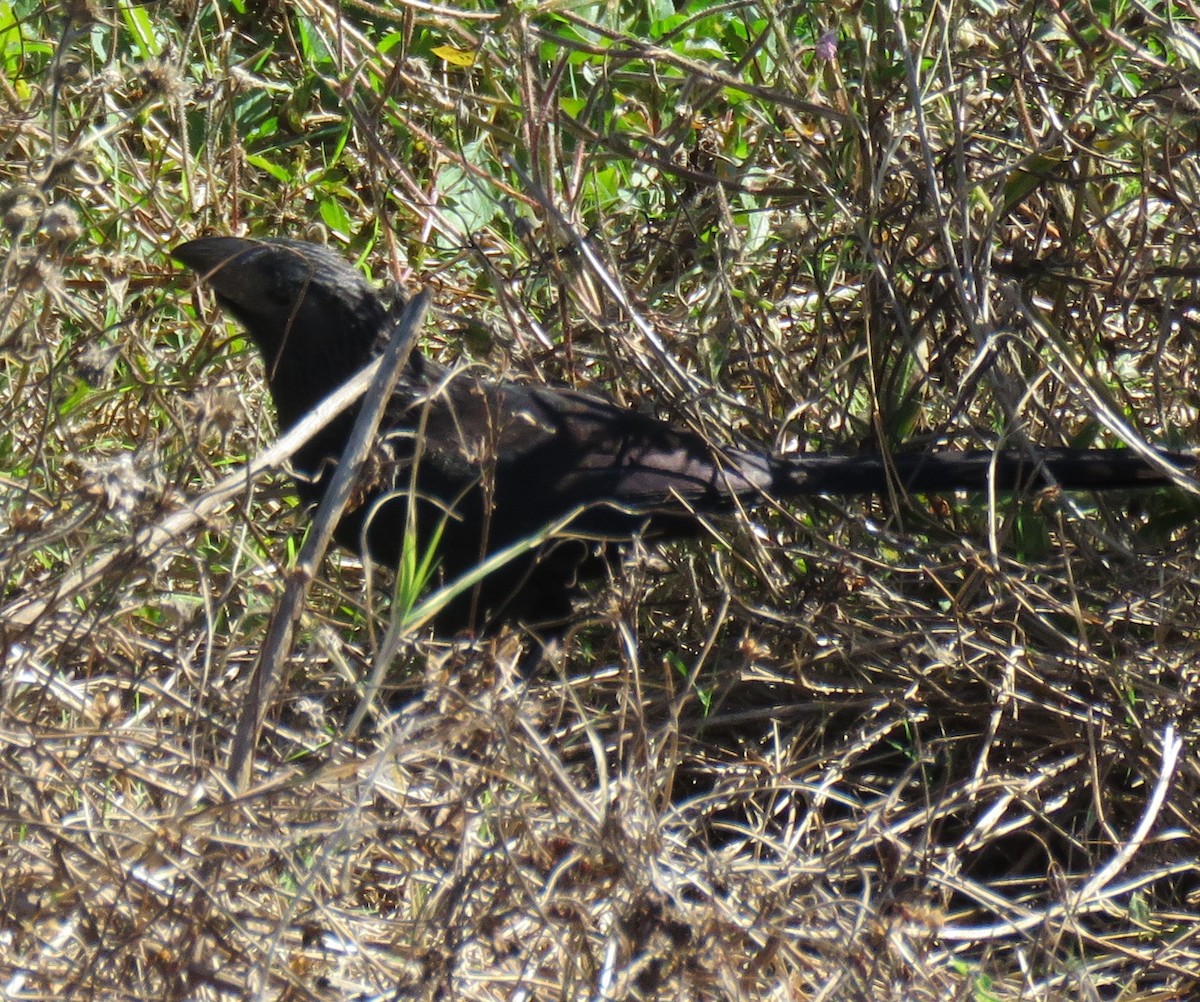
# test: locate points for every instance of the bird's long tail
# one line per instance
(1072, 469)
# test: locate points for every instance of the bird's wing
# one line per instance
(579, 446)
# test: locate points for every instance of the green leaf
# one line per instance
(137, 20)
(336, 217)
(311, 43)
(1030, 174)
(274, 169)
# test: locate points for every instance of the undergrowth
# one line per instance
(903, 748)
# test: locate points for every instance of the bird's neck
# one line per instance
(300, 378)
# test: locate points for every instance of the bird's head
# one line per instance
(315, 319)
(288, 294)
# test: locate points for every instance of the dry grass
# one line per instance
(914, 748)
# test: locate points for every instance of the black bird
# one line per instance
(491, 463)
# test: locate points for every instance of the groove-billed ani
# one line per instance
(491, 463)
